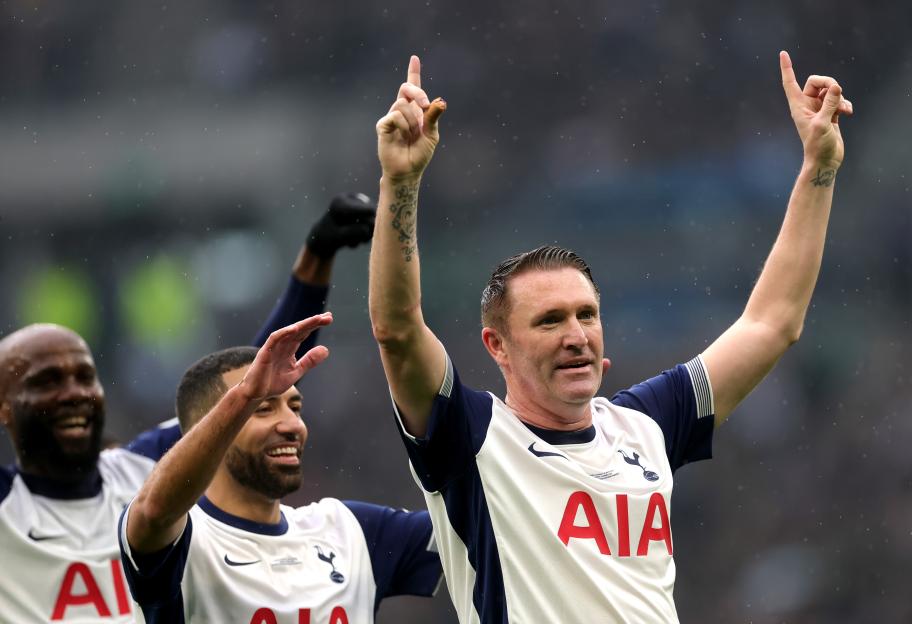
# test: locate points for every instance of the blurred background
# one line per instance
(160, 165)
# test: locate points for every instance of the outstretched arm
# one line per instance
(772, 321)
(158, 514)
(413, 358)
(348, 222)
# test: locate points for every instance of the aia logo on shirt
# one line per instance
(80, 588)
(593, 528)
(268, 616)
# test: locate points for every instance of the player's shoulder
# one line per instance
(326, 510)
(125, 468)
(622, 418)
(328, 518)
(155, 442)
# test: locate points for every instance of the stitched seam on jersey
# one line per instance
(702, 387)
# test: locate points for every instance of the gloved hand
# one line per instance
(348, 222)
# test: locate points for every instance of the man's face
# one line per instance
(553, 346)
(266, 454)
(54, 403)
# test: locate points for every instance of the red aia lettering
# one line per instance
(264, 615)
(592, 530)
(120, 587)
(338, 616)
(66, 598)
(662, 532)
(623, 526)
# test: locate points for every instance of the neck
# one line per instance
(63, 474)
(564, 417)
(233, 498)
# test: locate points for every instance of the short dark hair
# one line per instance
(202, 385)
(495, 305)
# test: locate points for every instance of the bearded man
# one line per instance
(207, 538)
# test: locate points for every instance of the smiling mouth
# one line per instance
(574, 366)
(284, 454)
(73, 424)
(73, 428)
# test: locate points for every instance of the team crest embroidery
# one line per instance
(335, 576)
(649, 475)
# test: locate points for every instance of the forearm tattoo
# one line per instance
(405, 213)
(824, 177)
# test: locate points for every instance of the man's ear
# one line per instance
(494, 343)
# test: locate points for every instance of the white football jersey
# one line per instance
(536, 525)
(326, 563)
(59, 543)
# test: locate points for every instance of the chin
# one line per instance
(577, 393)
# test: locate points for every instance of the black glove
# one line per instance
(348, 222)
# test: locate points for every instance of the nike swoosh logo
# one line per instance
(544, 453)
(239, 563)
(41, 538)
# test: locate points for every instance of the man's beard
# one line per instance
(253, 472)
(40, 449)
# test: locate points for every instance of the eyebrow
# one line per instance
(584, 306)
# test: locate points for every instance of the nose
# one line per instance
(289, 423)
(575, 335)
(77, 391)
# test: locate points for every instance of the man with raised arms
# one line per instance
(552, 504)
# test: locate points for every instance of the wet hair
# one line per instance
(202, 385)
(495, 304)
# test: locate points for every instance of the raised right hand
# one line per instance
(816, 110)
(275, 368)
(407, 135)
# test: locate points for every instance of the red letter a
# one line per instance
(67, 598)
(663, 532)
(593, 530)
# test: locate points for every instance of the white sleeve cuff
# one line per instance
(446, 388)
(702, 388)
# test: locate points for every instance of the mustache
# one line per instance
(82, 407)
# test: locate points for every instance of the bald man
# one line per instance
(59, 505)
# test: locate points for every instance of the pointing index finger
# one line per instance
(789, 83)
(414, 71)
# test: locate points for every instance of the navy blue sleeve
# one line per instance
(456, 430)
(403, 554)
(156, 442)
(298, 302)
(156, 584)
(6, 481)
(683, 414)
